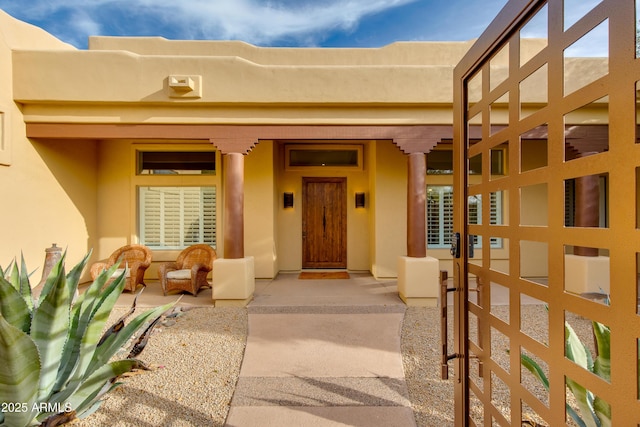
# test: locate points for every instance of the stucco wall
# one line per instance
(117, 195)
(48, 188)
(390, 206)
(259, 200)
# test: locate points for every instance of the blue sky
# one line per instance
(299, 23)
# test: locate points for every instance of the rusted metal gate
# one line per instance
(562, 111)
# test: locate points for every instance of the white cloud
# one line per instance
(255, 21)
(83, 24)
(264, 21)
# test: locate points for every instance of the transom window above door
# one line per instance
(302, 156)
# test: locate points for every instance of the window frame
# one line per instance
(170, 180)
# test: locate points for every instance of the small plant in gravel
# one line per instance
(594, 412)
(55, 361)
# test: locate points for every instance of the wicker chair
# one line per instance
(134, 260)
(189, 272)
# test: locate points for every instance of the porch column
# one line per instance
(587, 192)
(233, 275)
(416, 206)
(233, 205)
(586, 271)
(418, 274)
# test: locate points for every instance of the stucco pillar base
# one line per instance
(234, 281)
(586, 274)
(419, 281)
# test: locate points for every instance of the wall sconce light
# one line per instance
(288, 200)
(359, 200)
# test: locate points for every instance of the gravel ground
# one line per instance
(432, 398)
(200, 355)
(201, 352)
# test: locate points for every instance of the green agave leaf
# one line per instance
(602, 367)
(19, 372)
(575, 349)
(533, 367)
(52, 279)
(49, 330)
(86, 301)
(114, 342)
(98, 318)
(92, 320)
(84, 351)
(119, 324)
(574, 415)
(73, 277)
(13, 307)
(91, 388)
(603, 411)
(584, 399)
(14, 276)
(25, 286)
(602, 364)
(95, 405)
(70, 355)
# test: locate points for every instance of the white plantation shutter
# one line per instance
(176, 217)
(440, 215)
(433, 218)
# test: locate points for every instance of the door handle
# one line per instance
(446, 357)
(324, 220)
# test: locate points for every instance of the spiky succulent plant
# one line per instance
(55, 361)
(594, 412)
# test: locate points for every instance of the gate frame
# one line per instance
(622, 315)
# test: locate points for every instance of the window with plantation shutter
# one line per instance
(177, 217)
(440, 216)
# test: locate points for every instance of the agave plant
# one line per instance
(55, 362)
(594, 412)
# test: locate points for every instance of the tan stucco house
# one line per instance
(283, 159)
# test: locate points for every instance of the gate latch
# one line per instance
(455, 245)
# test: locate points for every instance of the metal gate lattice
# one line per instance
(553, 122)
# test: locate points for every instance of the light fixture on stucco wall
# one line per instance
(359, 200)
(288, 200)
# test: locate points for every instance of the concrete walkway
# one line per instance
(323, 353)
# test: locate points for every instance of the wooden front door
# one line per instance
(324, 223)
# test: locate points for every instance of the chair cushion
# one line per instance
(119, 271)
(179, 274)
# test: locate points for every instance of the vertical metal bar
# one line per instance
(480, 295)
(444, 325)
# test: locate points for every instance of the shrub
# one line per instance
(55, 361)
(594, 412)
